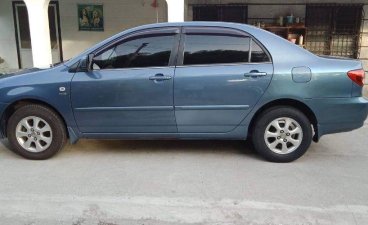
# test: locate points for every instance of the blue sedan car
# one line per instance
(192, 80)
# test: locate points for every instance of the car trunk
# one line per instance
(337, 68)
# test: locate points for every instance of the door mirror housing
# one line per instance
(90, 61)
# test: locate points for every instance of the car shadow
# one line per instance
(5, 150)
(201, 146)
(120, 147)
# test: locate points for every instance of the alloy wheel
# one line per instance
(34, 134)
(283, 135)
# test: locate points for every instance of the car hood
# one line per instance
(20, 72)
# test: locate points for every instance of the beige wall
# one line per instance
(364, 40)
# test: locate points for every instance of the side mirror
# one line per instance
(90, 61)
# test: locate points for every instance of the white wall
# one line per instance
(118, 16)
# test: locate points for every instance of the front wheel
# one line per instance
(282, 134)
(36, 132)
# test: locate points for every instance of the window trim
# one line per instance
(224, 31)
(134, 68)
(221, 64)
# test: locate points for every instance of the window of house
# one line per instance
(24, 32)
(237, 13)
(141, 51)
(215, 49)
(334, 29)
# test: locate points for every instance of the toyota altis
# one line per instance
(193, 80)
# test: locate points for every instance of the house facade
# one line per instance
(40, 32)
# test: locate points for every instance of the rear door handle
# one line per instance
(160, 77)
(255, 73)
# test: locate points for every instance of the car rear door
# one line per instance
(221, 73)
(130, 89)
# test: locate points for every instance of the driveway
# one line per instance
(187, 182)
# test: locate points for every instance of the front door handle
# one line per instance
(255, 73)
(160, 77)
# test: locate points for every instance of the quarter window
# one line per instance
(258, 54)
(141, 51)
(215, 49)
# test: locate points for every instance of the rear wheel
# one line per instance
(36, 132)
(282, 134)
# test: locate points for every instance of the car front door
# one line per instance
(130, 88)
(221, 74)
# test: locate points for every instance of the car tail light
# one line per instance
(357, 76)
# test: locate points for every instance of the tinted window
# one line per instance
(258, 55)
(211, 49)
(147, 51)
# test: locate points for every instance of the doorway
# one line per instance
(23, 37)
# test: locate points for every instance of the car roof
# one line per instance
(195, 23)
(239, 26)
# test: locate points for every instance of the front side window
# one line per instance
(141, 51)
(215, 49)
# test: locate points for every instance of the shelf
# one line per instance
(288, 32)
(281, 27)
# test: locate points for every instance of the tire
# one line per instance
(282, 134)
(36, 132)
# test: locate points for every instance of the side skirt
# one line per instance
(239, 133)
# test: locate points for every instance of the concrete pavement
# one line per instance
(187, 182)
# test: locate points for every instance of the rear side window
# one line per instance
(141, 51)
(215, 49)
(258, 54)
